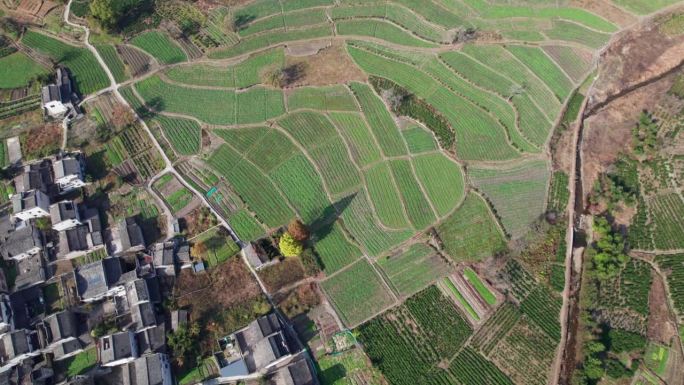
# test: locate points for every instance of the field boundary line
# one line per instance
(362, 174)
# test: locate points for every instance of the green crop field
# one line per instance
(331, 98)
(518, 193)
(413, 269)
(385, 197)
(474, 280)
(245, 225)
(113, 61)
(471, 232)
(160, 46)
(18, 70)
(211, 105)
(183, 134)
(86, 71)
(241, 75)
(407, 355)
(357, 293)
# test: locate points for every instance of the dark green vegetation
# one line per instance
(406, 356)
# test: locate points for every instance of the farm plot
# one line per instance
(285, 21)
(247, 73)
(517, 193)
(358, 217)
(495, 328)
(397, 15)
(245, 225)
(258, 192)
(19, 106)
(176, 196)
(86, 71)
(470, 123)
(543, 309)
(558, 192)
(539, 63)
(136, 60)
(18, 70)
(380, 30)
(408, 342)
(461, 297)
(132, 155)
(417, 207)
(568, 31)
(574, 61)
(385, 197)
(667, 213)
(419, 140)
(471, 232)
(210, 105)
(518, 76)
(469, 367)
(113, 61)
(484, 292)
(160, 46)
(329, 98)
(358, 136)
(357, 293)
(381, 123)
(302, 186)
(673, 267)
(526, 354)
(184, 135)
(269, 39)
(442, 180)
(333, 247)
(413, 269)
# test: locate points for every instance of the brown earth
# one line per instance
(607, 10)
(225, 285)
(281, 274)
(607, 133)
(331, 65)
(659, 326)
(636, 56)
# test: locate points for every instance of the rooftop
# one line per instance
(21, 241)
(63, 211)
(95, 279)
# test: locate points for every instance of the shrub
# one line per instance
(289, 246)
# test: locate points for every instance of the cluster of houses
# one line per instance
(46, 224)
(74, 285)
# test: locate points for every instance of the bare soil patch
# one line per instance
(331, 65)
(282, 274)
(659, 326)
(636, 56)
(608, 132)
(606, 9)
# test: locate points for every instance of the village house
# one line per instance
(130, 236)
(58, 99)
(69, 173)
(35, 176)
(30, 205)
(257, 348)
(16, 346)
(21, 243)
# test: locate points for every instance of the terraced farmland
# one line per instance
(400, 186)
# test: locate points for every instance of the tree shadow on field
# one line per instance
(334, 373)
(323, 225)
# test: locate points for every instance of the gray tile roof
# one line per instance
(30, 271)
(67, 166)
(50, 93)
(95, 279)
(149, 370)
(152, 340)
(67, 347)
(74, 239)
(63, 211)
(20, 241)
(62, 325)
(130, 233)
(143, 315)
(116, 346)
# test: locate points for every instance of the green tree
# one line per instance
(289, 246)
(610, 255)
(107, 12)
(184, 343)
